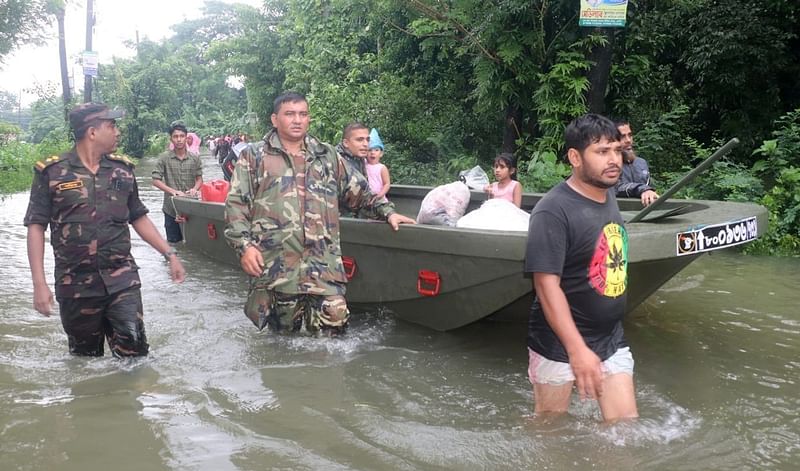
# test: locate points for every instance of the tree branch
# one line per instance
(432, 13)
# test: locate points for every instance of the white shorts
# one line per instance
(544, 371)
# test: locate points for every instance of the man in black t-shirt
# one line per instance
(578, 252)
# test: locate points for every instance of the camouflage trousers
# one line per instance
(118, 318)
(290, 312)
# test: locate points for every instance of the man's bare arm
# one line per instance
(586, 365)
(42, 296)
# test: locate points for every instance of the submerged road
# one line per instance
(717, 368)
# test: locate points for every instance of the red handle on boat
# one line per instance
(350, 267)
(212, 231)
(428, 283)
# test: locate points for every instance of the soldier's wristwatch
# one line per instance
(243, 247)
(169, 253)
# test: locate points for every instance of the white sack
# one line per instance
(497, 214)
(444, 204)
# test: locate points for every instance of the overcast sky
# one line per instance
(116, 22)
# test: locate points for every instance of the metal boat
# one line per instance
(446, 277)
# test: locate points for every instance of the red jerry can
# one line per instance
(214, 190)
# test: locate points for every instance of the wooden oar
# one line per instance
(686, 179)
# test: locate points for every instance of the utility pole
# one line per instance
(87, 79)
(66, 93)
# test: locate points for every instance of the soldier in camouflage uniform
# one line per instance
(354, 147)
(282, 218)
(353, 150)
(88, 196)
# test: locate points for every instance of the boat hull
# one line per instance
(445, 278)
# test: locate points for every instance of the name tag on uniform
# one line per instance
(70, 185)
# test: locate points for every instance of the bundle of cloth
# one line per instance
(497, 214)
(444, 205)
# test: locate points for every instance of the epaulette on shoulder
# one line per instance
(43, 164)
(122, 158)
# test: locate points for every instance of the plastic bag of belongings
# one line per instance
(496, 214)
(475, 178)
(444, 204)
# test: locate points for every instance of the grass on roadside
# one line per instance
(17, 160)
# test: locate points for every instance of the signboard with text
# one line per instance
(717, 236)
(603, 13)
(89, 60)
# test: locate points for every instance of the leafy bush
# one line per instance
(410, 172)
(783, 151)
(17, 160)
(55, 142)
(8, 132)
(16, 166)
(157, 143)
(783, 203)
(542, 172)
(664, 141)
(781, 170)
(726, 180)
(561, 94)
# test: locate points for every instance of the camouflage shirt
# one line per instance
(88, 216)
(359, 163)
(301, 249)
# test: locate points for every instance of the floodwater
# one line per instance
(717, 360)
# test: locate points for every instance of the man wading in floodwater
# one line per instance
(578, 254)
(282, 218)
(88, 197)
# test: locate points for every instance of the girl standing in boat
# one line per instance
(377, 173)
(506, 187)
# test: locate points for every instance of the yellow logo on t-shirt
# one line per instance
(608, 269)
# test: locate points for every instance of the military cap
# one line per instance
(87, 114)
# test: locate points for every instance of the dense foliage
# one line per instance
(174, 80)
(17, 160)
(449, 84)
(23, 21)
(780, 168)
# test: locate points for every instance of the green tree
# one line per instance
(728, 68)
(780, 168)
(47, 121)
(9, 102)
(511, 46)
(174, 80)
(22, 22)
(253, 52)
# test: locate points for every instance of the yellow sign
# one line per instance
(73, 185)
(603, 13)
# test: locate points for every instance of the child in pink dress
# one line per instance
(506, 187)
(377, 173)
